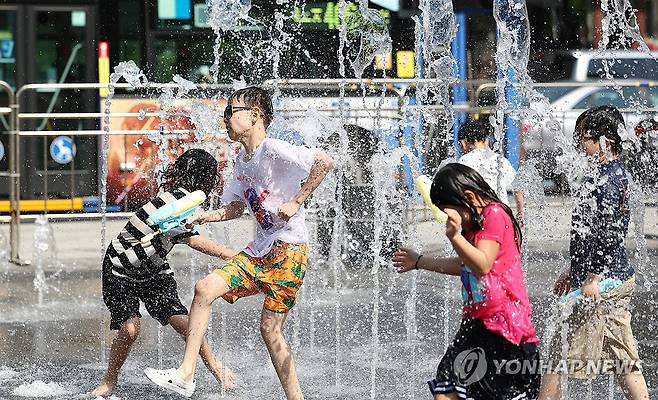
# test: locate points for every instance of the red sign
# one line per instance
(103, 49)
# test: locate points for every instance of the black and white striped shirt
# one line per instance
(139, 261)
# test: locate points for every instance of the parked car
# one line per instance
(540, 142)
(644, 161)
(584, 65)
(567, 107)
(629, 64)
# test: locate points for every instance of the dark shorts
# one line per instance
(122, 296)
(480, 364)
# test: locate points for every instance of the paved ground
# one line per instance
(61, 340)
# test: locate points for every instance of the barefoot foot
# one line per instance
(104, 389)
(228, 379)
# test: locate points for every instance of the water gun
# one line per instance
(174, 214)
(604, 286)
(423, 184)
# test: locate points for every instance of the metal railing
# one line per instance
(14, 175)
(17, 118)
(396, 88)
(16, 133)
(621, 83)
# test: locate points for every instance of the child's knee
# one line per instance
(206, 290)
(269, 330)
(179, 323)
(129, 330)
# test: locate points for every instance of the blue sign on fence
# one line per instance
(62, 149)
(6, 48)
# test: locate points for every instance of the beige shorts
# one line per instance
(597, 337)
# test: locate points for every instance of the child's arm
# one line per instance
(232, 210)
(608, 230)
(210, 248)
(481, 258)
(563, 283)
(406, 259)
(322, 164)
(520, 207)
(608, 233)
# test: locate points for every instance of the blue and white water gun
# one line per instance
(604, 286)
(174, 214)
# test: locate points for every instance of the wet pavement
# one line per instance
(58, 347)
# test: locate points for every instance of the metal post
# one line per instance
(14, 210)
(72, 181)
(14, 171)
(513, 131)
(459, 92)
(45, 174)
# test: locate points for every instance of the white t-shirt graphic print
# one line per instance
(272, 177)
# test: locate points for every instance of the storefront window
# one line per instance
(60, 46)
(7, 46)
(177, 14)
(189, 57)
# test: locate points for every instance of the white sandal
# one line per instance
(169, 379)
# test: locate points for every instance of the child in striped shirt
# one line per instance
(135, 268)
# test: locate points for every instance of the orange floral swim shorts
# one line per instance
(278, 275)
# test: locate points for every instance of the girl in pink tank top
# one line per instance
(496, 335)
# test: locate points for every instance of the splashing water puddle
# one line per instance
(7, 373)
(39, 388)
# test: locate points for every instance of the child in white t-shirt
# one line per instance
(496, 170)
(267, 178)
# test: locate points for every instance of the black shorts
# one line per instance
(480, 364)
(122, 296)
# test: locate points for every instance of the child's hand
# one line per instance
(590, 287)
(520, 217)
(454, 223)
(563, 283)
(288, 210)
(198, 219)
(405, 259)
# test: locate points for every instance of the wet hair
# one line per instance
(449, 185)
(196, 169)
(602, 121)
(475, 130)
(254, 96)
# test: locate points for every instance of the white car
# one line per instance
(634, 103)
(538, 142)
(622, 64)
(586, 65)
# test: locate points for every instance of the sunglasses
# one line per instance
(230, 109)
